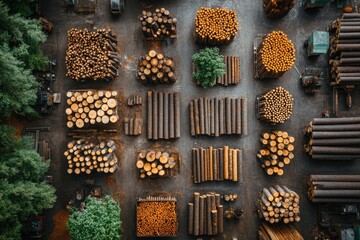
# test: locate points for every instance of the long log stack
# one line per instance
(277, 8)
(277, 151)
(215, 26)
(275, 55)
(206, 215)
(278, 232)
(279, 204)
(163, 114)
(156, 68)
(215, 117)
(87, 157)
(158, 25)
(92, 55)
(211, 164)
(334, 188)
(89, 107)
(133, 125)
(333, 138)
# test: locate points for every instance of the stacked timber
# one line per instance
(134, 100)
(206, 215)
(277, 8)
(334, 188)
(163, 115)
(333, 138)
(277, 151)
(86, 157)
(275, 55)
(158, 25)
(89, 107)
(156, 68)
(215, 117)
(279, 204)
(215, 26)
(278, 232)
(211, 164)
(91, 55)
(133, 125)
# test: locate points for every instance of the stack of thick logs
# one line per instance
(277, 151)
(133, 125)
(275, 55)
(134, 100)
(88, 107)
(279, 204)
(163, 114)
(206, 215)
(91, 55)
(215, 26)
(334, 138)
(278, 232)
(277, 8)
(334, 188)
(220, 164)
(155, 68)
(215, 117)
(159, 25)
(275, 106)
(86, 157)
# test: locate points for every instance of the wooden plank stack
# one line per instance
(215, 117)
(211, 164)
(91, 55)
(87, 157)
(134, 100)
(278, 232)
(159, 25)
(133, 125)
(215, 26)
(277, 8)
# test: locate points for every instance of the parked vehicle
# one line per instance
(117, 7)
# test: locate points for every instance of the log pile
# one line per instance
(211, 164)
(279, 204)
(87, 157)
(156, 68)
(134, 100)
(133, 125)
(276, 152)
(89, 107)
(333, 138)
(278, 232)
(277, 8)
(159, 25)
(275, 55)
(206, 215)
(91, 55)
(163, 115)
(334, 188)
(215, 26)
(215, 117)
(275, 106)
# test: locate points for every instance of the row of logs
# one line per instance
(134, 100)
(215, 117)
(277, 8)
(278, 231)
(158, 25)
(153, 163)
(133, 125)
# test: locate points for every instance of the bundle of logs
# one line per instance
(333, 138)
(334, 188)
(277, 8)
(278, 232)
(279, 204)
(159, 25)
(277, 151)
(163, 114)
(155, 68)
(90, 107)
(154, 163)
(133, 125)
(275, 106)
(220, 164)
(134, 100)
(91, 55)
(275, 55)
(84, 156)
(215, 117)
(215, 26)
(206, 215)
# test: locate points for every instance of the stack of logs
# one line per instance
(133, 125)
(278, 232)
(92, 55)
(206, 215)
(275, 55)
(334, 188)
(279, 204)
(334, 138)
(134, 100)
(275, 106)
(159, 25)
(90, 107)
(153, 163)
(155, 68)
(216, 164)
(277, 8)
(215, 117)
(83, 156)
(163, 114)
(276, 152)
(215, 26)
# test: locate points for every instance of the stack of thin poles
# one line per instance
(278, 232)
(158, 25)
(278, 8)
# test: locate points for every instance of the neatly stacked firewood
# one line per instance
(277, 8)
(133, 125)
(134, 100)
(158, 25)
(278, 231)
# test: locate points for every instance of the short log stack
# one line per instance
(134, 100)
(158, 25)
(333, 138)
(133, 125)
(278, 231)
(277, 8)
(334, 188)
